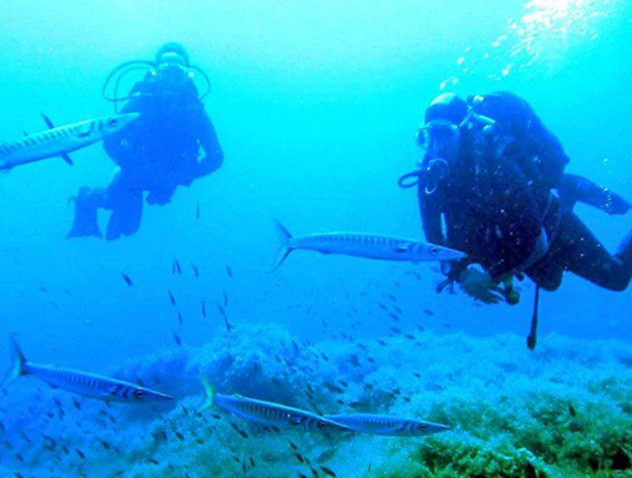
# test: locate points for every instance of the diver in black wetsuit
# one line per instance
(159, 153)
(489, 170)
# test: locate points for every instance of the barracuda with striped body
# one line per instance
(82, 383)
(59, 141)
(369, 246)
(387, 425)
(268, 413)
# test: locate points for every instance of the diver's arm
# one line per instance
(573, 188)
(213, 155)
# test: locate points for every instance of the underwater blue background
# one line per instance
(316, 105)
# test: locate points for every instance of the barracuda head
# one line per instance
(92, 130)
(114, 123)
(141, 394)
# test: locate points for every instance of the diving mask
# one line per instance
(438, 137)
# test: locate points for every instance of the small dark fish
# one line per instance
(292, 445)
(178, 435)
(153, 461)
(196, 271)
(127, 280)
(175, 267)
(180, 321)
(327, 471)
(300, 475)
(172, 299)
(229, 271)
(228, 325)
(299, 457)
(252, 461)
(177, 339)
(105, 445)
(197, 212)
(571, 410)
(429, 312)
(81, 454)
(76, 403)
(221, 309)
(203, 305)
(239, 430)
(225, 300)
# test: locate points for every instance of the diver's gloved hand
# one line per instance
(480, 286)
(615, 204)
(575, 188)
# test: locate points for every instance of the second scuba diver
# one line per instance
(159, 152)
(489, 170)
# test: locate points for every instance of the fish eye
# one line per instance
(139, 394)
(321, 425)
(434, 250)
(112, 122)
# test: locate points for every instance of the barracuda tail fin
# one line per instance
(285, 237)
(209, 398)
(17, 362)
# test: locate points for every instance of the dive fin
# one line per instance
(209, 396)
(17, 362)
(285, 237)
(47, 120)
(50, 124)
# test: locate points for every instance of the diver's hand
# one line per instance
(480, 286)
(615, 204)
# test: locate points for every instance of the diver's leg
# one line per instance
(580, 252)
(85, 223)
(126, 203)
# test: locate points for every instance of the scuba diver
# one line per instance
(158, 152)
(494, 173)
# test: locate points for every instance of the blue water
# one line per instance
(316, 105)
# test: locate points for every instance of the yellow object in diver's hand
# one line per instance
(479, 285)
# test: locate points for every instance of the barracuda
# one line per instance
(59, 141)
(387, 424)
(268, 413)
(82, 383)
(369, 246)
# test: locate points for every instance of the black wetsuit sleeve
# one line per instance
(213, 154)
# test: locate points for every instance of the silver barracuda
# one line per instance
(268, 413)
(59, 141)
(371, 246)
(82, 383)
(387, 425)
